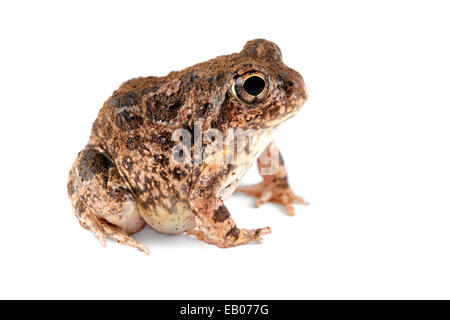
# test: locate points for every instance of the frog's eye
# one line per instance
(251, 87)
(254, 85)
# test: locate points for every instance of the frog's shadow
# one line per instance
(152, 238)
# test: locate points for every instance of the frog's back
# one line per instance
(134, 128)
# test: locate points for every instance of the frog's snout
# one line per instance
(297, 91)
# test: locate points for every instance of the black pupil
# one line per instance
(254, 85)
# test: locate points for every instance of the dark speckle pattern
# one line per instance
(221, 214)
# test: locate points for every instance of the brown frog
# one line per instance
(164, 150)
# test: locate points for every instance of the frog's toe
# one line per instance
(299, 200)
(102, 230)
(274, 192)
(122, 237)
(253, 235)
(239, 237)
(255, 190)
(90, 222)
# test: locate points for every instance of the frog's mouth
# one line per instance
(287, 116)
(274, 123)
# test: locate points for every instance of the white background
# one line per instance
(369, 150)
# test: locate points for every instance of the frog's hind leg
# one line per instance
(274, 187)
(101, 200)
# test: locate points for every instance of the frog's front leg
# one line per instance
(274, 187)
(214, 223)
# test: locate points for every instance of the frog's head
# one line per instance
(263, 91)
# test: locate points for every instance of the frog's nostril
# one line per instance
(297, 87)
(292, 86)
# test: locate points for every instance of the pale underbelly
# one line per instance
(169, 221)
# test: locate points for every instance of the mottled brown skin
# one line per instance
(125, 177)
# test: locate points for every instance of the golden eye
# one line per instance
(251, 87)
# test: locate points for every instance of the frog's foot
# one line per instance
(233, 238)
(102, 230)
(276, 191)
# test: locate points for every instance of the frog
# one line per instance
(145, 162)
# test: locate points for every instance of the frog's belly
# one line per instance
(175, 220)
